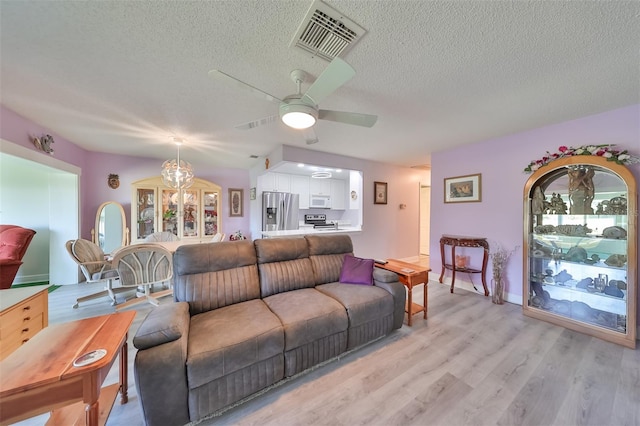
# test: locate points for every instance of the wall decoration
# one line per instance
(379, 192)
(235, 202)
(252, 193)
(44, 143)
(113, 181)
(462, 189)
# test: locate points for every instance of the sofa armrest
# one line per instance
(164, 324)
(383, 279)
(160, 366)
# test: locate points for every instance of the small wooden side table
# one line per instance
(464, 241)
(40, 376)
(410, 275)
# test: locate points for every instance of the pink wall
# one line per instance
(501, 162)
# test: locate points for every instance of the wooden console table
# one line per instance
(418, 275)
(40, 376)
(464, 241)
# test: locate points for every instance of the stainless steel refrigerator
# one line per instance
(280, 211)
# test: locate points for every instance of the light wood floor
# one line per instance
(471, 363)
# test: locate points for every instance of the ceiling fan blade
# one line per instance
(219, 75)
(310, 136)
(357, 119)
(261, 122)
(335, 75)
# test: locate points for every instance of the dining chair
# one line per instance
(157, 237)
(95, 268)
(141, 266)
(218, 237)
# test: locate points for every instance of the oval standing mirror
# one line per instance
(111, 230)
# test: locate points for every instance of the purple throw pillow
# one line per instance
(356, 271)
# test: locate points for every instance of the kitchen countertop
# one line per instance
(310, 231)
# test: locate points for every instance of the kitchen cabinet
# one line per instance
(191, 213)
(276, 182)
(319, 186)
(300, 186)
(338, 196)
(580, 240)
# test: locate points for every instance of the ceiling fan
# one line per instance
(300, 111)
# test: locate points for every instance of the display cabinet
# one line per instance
(191, 213)
(580, 257)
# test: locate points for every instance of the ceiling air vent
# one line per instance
(326, 33)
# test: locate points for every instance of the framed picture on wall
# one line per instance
(379, 192)
(235, 202)
(463, 189)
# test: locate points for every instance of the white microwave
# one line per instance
(320, 202)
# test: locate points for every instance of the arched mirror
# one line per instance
(111, 231)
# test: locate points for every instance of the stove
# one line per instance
(319, 221)
(315, 219)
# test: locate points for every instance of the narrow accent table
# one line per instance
(410, 275)
(464, 241)
(40, 376)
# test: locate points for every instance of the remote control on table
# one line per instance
(380, 261)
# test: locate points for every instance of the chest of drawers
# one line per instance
(23, 313)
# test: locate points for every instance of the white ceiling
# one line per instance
(123, 77)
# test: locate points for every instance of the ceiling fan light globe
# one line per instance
(298, 120)
(298, 115)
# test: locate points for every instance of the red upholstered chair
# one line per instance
(14, 241)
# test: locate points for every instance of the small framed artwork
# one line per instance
(235, 202)
(463, 189)
(252, 193)
(379, 192)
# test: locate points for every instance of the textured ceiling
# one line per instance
(125, 76)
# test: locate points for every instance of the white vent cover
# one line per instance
(326, 33)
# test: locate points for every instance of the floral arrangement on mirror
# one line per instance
(499, 259)
(607, 151)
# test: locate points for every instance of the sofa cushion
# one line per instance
(281, 249)
(231, 338)
(356, 270)
(363, 303)
(211, 257)
(307, 315)
(283, 265)
(329, 244)
(214, 275)
(327, 254)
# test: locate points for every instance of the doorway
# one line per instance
(41, 193)
(425, 218)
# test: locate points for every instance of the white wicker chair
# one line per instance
(95, 268)
(158, 237)
(142, 266)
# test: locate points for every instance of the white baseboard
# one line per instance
(463, 282)
(24, 279)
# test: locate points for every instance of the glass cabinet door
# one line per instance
(191, 213)
(210, 213)
(580, 262)
(145, 202)
(170, 209)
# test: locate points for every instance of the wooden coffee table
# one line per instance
(40, 376)
(410, 275)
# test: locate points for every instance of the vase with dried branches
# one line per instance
(499, 259)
